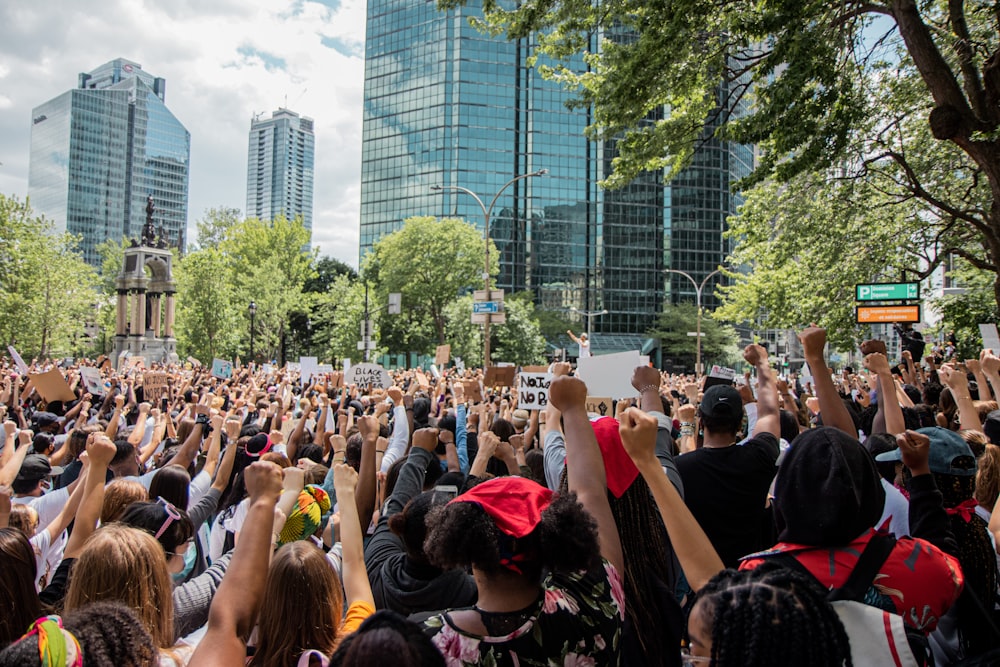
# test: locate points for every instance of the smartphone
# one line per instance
(163, 404)
(448, 489)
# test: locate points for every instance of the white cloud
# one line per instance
(223, 61)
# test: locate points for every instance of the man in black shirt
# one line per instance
(725, 484)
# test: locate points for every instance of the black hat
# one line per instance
(36, 467)
(991, 427)
(44, 418)
(722, 402)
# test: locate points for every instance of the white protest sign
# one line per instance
(293, 367)
(222, 369)
(267, 368)
(324, 368)
(22, 367)
(722, 373)
(533, 390)
(309, 367)
(610, 374)
(991, 339)
(368, 375)
(347, 366)
(92, 380)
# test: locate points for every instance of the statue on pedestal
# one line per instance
(148, 230)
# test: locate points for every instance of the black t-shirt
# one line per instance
(726, 490)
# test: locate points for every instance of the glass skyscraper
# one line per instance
(99, 150)
(445, 104)
(280, 167)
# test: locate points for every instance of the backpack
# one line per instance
(877, 637)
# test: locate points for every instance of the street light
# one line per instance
(590, 315)
(252, 309)
(698, 291)
(487, 212)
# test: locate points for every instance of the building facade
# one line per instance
(280, 161)
(446, 105)
(100, 150)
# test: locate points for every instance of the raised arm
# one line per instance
(958, 383)
(831, 407)
(237, 601)
(366, 487)
(585, 466)
(695, 552)
(888, 406)
(768, 417)
(100, 451)
(356, 585)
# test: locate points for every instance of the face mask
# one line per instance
(190, 556)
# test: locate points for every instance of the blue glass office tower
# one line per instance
(445, 104)
(99, 150)
(280, 167)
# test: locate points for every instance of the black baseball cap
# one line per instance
(722, 402)
(36, 467)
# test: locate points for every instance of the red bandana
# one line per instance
(514, 503)
(964, 510)
(621, 471)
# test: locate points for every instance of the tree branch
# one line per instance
(963, 48)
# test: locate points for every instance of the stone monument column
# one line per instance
(140, 312)
(121, 323)
(154, 304)
(169, 328)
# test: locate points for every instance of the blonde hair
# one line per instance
(24, 518)
(118, 495)
(988, 477)
(126, 565)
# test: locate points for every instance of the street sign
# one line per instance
(395, 303)
(887, 314)
(486, 307)
(491, 295)
(887, 292)
(493, 318)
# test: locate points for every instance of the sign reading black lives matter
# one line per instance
(533, 390)
(368, 375)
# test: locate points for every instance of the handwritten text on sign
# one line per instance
(368, 375)
(533, 390)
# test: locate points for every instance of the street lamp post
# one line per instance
(590, 315)
(698, 289)
(487, 212)
(252, 309)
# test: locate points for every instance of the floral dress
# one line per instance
(578, 623)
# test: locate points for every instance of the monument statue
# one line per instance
(148, 230)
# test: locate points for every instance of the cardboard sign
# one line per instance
(499, 376)
(309, 367)
(422, 380)
(442, 355)
(134, 363)
(336, 379)
(369, 375)
(610, 374)
(222, 369)
(602, 406)
(154, 387)
(92, 381)
(473, 390)
(533, 390)
(22, 367)
(51, 385)
(534, 369)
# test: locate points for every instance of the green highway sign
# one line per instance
(887, 292)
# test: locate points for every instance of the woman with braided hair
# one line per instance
(769, 616)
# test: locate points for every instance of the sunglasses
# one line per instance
(173, 514)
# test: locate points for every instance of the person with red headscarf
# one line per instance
(511, 530)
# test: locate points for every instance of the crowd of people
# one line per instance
(834, 518)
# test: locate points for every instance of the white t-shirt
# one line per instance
(47, 506)
(584, 348)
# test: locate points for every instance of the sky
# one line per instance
(223, 61)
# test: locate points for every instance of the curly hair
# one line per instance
(387, 636)
(769, 616)
(111, 635)
(462, 534)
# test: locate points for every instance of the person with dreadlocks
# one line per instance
(969, 629)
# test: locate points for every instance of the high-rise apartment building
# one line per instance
(280, 167)
(100, 150)
(447, 105)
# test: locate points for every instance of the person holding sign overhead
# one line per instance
(583, 341)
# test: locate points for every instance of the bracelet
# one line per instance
(649, 387)
(409, 409)
(683, 424)
(380, 451)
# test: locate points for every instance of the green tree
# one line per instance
(209, 319)
(802, 81)
(269, 265)
(216, 224)
(337, 323)
(719, 342)
(428, 261)
(518, 341)
(325, 270)
(47, 291)
(964, 312)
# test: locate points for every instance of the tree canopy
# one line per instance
(719, 343)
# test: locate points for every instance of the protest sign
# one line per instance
(600, 405)
(368, 375)
(293, 367)
(442, 355)
(533, 390)
(222, 369)
(719, 375)
(422, 380)
(309, 367)
(499, 376)
(51, 385)
(92, 381)
(473, 390)
(22, 367)
(610, 374)
(991, 340)
(154, 386)
(267, 369)
(534, 369)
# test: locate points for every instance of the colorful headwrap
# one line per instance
(306, 516)
(56, 647)
(515, 504)
(621, 471)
